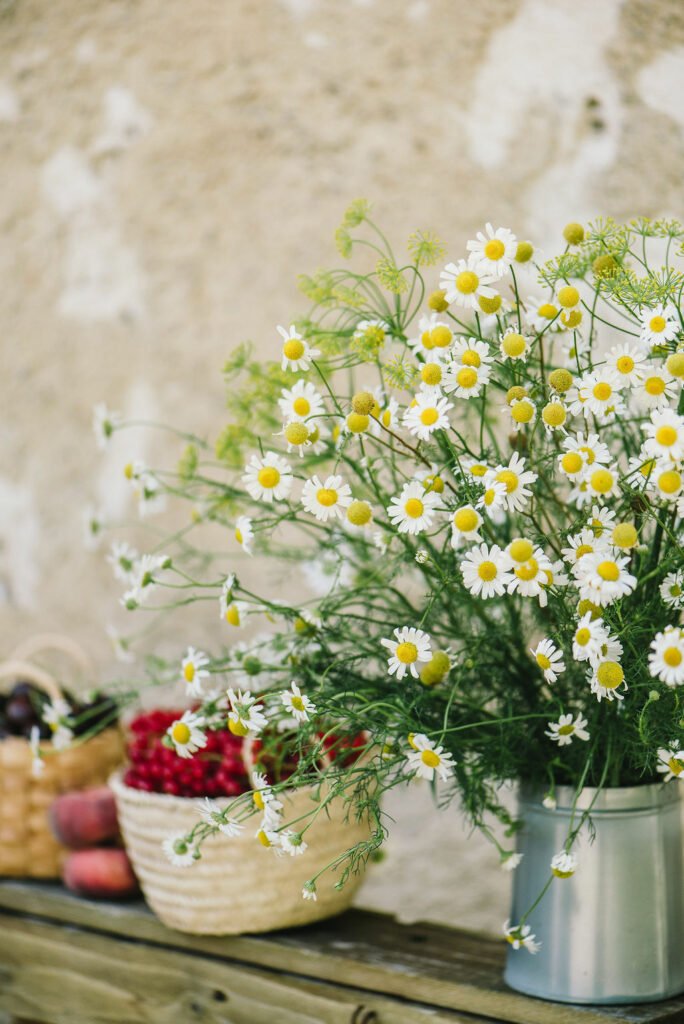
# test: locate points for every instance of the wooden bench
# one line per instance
(65, 960)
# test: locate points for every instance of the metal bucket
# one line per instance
(611, 933)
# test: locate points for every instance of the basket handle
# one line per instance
(33, 645)
(18, 669)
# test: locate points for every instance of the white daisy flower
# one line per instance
(640, 469)
(263, 796)
(326, 500)
(187, 734)
(309, 891)
(495, 249)
(493, 499)
(599, 394)
(465, 525)
(515, 477)
(470, 352)
(434, 336)
(521, 937)
(268, 478)
(297, 703)
(466, 281)
(300, 402)
(563, 865)
(603, 578)
(428, 760)
(411, 647)
(372, 332)
(530, 577)
(666, 481)
(665, 435)
(245, 715)
(510, 860)
(484, 571)
(657, 389)
(514, 346)
(123, 560)
(104, 424)
(591, 448)
(627, 362)
(297, 354)
(567, 727)
(143, 580)
(540, 315)
(606, 678)
(465, 380)
(244, 534)
(549, 659)
(601, 521)
(425, 415)
(385, 416)
(555, 577)
(658, 325)
(213, 815)
(550, 802)
(474, 469)
(666, 660)
(602, 482)
(194, 671)
(292, 843)
(672, 589)
(56, 713)
(414, 509)
(178, 851)
(589, 638)
(268, 835)
(671, 762)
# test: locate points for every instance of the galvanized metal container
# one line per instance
(612, 933)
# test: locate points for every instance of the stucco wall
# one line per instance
(168, 167)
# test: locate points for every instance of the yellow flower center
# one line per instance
(357, 422)
(670, 481)
(675, 766)
(293, 348)
(521, 550)
(296, 433)
(547, 311)
(528, 571)
(189, 672)
(268, 477)
(647, 467)
(655, 385)
(426, 340)
(666, 436)
(430, 758)
(406, 653)
(263, 838)
(608, 571)
(554, 414)
(232, 615)
(602, 481)
(572, 462)
(672, 656)
(487, 571)
(238, 728)
(524, 252)
(509, 478)
(386, 418)
(326, 496)
(583, 549)
(258, 800)
(583, 636)
(589, 455)
(602, 391)
(657, 324)
(625, 535)
(441, 336)
(494, 249)
(433, 483)
(467, 282)
(544, 663)
(571, 319)
(359, 513)
(625, 364)
(610, 674)
(489, 306)
(431, 374)
(414, 508)
(297, 703)
(238, 535)
(513, 345)
(466, 520)
(429, 417)
(675, 364)
(566, 730)
(568, 296)
(466, 377)
(301, 406)
(470, 358)
(478, 469)
(128, 471)
(180, 733)
(522, 412)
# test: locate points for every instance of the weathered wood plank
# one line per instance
(68, 976)
(429, 964)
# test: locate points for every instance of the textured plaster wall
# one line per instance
(167, 169)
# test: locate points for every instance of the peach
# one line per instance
(84, 818)
(100, 874)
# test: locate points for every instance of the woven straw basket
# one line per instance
(27, 847)
(238, 885)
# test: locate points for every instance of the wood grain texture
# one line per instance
(438, 967)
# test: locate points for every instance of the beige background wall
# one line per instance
(167, 169)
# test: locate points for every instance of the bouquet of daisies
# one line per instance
(452, 504)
